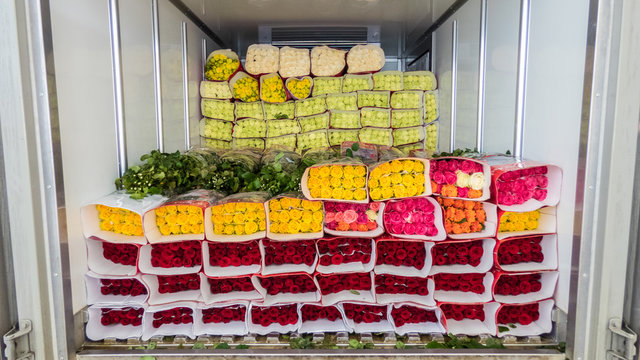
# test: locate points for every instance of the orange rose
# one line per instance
(457, 229)
(449, 190)
(481, 215)
(470, 215)
(474, 194)
(450, 212)
(466, 227)
(434, 186)
(476, 227)
(459, 204)
(343, 226)
(478, 205)
(459, 216)
(363, 227)
(448, 202)
(448, 226)
(469, 205)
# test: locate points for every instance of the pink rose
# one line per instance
(328, 205)
(467, 166)
(518, 186)
(332, 225)
(530, 182)
(528, 172)
(375, 206)
(350, 216)
(454, 165)
(427, 206)
(417, 218)
(542, 170)
(463, 192)
(362, 218)
(339, 217)
(406, 216)
(397, 228)
(438, 177)
(409, 203)
(399, 206)
(504, 186)
(439, 189)
(428, 218)
(409, 229)
(432, 231)
(509, 175)
(540, 194)
(518, 198)
(450, 177)
(329, 217)
(505, 199)
(527, 195)
(420, 229)
(542, 181)
(394, 218)
(342, 207)
(442, 165)
(477, 167)
(433, 166)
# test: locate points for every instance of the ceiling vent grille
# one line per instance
(310, 36)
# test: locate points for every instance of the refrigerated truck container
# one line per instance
(87, 87)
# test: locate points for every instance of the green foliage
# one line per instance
(242, 347)
(221, 345)
(301, 343)
(400, 345)
(356, 344)
(198, 345)
(459, 152)
(455, 342)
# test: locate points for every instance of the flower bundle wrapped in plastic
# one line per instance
(376, 136)
(525, 314)
(238, 217)
(459, 178)
(399, 178)
(388, 80)
(299, 88)
(181, 257)
(114, 321)
(365, 58)
(527, 253)
(337, 136)
(217, 109)
(345, 119)
(290, 214)
(312, 140)
(224, 319)
(119, 221)
(407, 99)
(342, 101)
(248, 143)
(221, 65)
(517, 187)
(279, 318)
(343, 180)
(376, 117)
(288, 142)
(345, 255)
(408, 318)
(512, 221)
(287, 288)
(431, 142)
(262, 59)
(294, 62)
(249, 128)
(408, 135)
(379, 99)
(237, 288)
(356, 82)
(402, 118)
(310, 106)
(326, 61)
(316, 318)
(285, 110)
(249, 110)
(355, 220)
(414, 218)
(327, 85)
(463, 216)
(215, 144)
(231, 259)
(346, 287)
(244, 87)
(314, 122)
(282, 127)
(408, 148)
(215, 90)
(216, 129)
(272, 88)
(431, 112)
(419, 80)
(285, 257)
(367, 318)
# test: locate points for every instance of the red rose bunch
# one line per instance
(234, 254)
(124, 316)
(224, 315)
(179, 315)
(124, 254)
(331, 284)
(459, 312)
(227, 285)
(175, 283)
(367, 314)
(462, 253)
(520, 250)
(176, 254)
(289, 252)
(460, 282)
(518, 314)
(122, 287)
(395, 284)
(518, 284)
(518, 186)
(410, 217)
(314, 312)
(267, 315)
(407, 314)
(293, 284)
(344, 250)
(401, 253)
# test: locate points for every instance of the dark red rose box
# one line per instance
(509, 288)
(175, 319)
(530, 319)
(403, 257)
(217, 290)
(466, 174)
(527, 253)
(470, 319)
(114, 321)
(339, 255)
(547, 224)
(353, 220)
(523, 185)
(317, 318)
(200, 198)
(91, 221)
(463, 288)
(414, 218)
(289, 288)
(283, 257)
(459, 257)
(412, 318)
(221, 259)
(164, 289)
(107, 258)
(256, 197)
(224, 319)
(362, 317)
(279, 319)
(115, 289)
(335, 288)
(175, 258)
(395, 288)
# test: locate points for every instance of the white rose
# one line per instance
(477, 181)
(463, 179)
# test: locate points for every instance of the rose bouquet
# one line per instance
(408, 318)
(285, 110)
(217, 109)
(345, 287)
(215, 144)
(465, 219)
(288, 256)
(294, 62)
(388, 80)
(339, 181)
(248, 143)
(345, 255)
(225, 319)
(268, 319)
(470, 320)
(344, 119)
(312, 140)
(272, 88)
(215, 90)
(310, 106)
(115, 289)
(408, 135)
(231, 259)
(512, 221)
(404, 118)
(224, 290)
(182, 257)
(106, 258)
(366, 318)
(326, 61)
(399, 178)
(277, 128)
(460, 178)
(249, 110)
(414, 218)
(337, 136)
(524, 287)
(244, 87)
(407, 100)
(291, 217)
(262, 59)
(299, 88)
(168, 320)
(525, 319)
(378, 99)
(238, 217)
(164, 289)
(518, 186)
(216, 129)
(353, 220)
(419, 80)
(314, 122)
(463, 288)
(529, 253)
(376, 136)
(393, 288)
(250, 128)
(376, 117)
(288, 288)
(352, 83)
(431, 112)
(431, 142)
(120, 322)
(327, 85)
(345, 102)
(317, 318)
(284, 142)
(403, 257)
(459, 257)
(221, 65)
(365, 58)
(408, 148)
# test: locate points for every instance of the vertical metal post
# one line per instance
(204, 55)
(185, 87)
(157, 78)
(521, 87)
(116, 58)
(482, 68)
(454, 85)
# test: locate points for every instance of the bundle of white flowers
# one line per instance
(365, 58)
(294, 62)
(326, 61)
(262, 59)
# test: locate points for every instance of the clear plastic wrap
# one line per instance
(285, 110)
(280, 319)
(221, 65)
(244, 87)
(294, 62)
(314, 122)
(319, 319)
(412, 286)
(344, 119)
(431, 142)
(272, 88)
(347, 101)
(250, 128)
(249, 143)
(311, 106)
(343, 255)
(327, 85)
(410, 99)
(115, 289)
(352, 83)
(409, 318)
(171, 319)
(217, 109)
(223, 259)
(420, 80)
(326, 61)
(216, 129)
(216, 290)
(285, 141)
(354, 220)
(277, 128)
(262, 59)
(376, 136)
(388, 80)
(336, 288)
(249, 110)
(365, 58)
(114, 321)
(312, 140)
(299, 88)
(375, 117)
(215, 144)
(379, 99)
(224, 319)
(215, 90)
(337, 136)
(238, 217)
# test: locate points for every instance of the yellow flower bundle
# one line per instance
(220, 67)
(246, 89)
(397, 179)
(238, 218)
(301, 89)
(179, 219)
(292, 216)
(120, 221)
(513, 221)
(273, 90)
(340, 182)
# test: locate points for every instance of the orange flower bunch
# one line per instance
(462, 216)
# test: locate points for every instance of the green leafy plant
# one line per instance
(400, 345)
(459, 152)
(304, 342)
(357, 344)
(454, 342)
(198, 345)
(242, 347)
(221, 345)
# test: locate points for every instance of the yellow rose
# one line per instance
(175, 229)
(217, 210)
(315, 193)
(307, 217)
(336, 171)
(347, 183)
(336, 193)
(418, 179)
(407, 165)
(106, 225)
(260, 214)
(251, 227)
(305, 228)
(325, 171)
(387, 193)
(418, 166)
(336, 182)
(182, 219)
(274, 205)
(284, 203)
(326, 193)
(183, 208)
(348, 171)
(238, 218)
(385, 181)
(284, 228)
(326, 182)
(274, 228)
(535, 215)
(316, 227)
(411, 191)
(375, 173)
(360, 194)
(195, 210)
(385, 168)
(318, 216)
(250, 215)
(314, 172)
(373, 183)
(294, 202)
(347, 194)
(316, 205)
(185, 229)
(307, 204)
(283, 216)
(227, 218)
(313, 182)
(195, 229)
(239, 229)
(171, 209)
(160, 221)
(138, 231)
(396, 178)
(102, 215)
(137, 220)
(241, 206)
(532, 225)
(165, 230)
(407, 180)
(171, 219)
(359, 182)
(361, 171)
(115, 218)
(229, 207)
(262, 225)
(294, 227)
(396, 166)
(295, 214)
(376, 194)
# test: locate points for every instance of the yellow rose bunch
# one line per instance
(300, 88)
(273, 90)
(341, 182)
(220, 67)
(120, 221)
(246, 89)
(292, 216)
(514, 221)
(397, 179)
(238, 218)
(179, 219)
